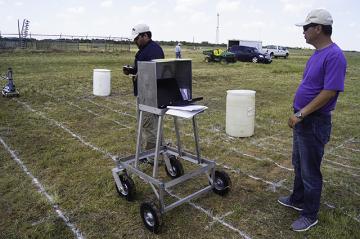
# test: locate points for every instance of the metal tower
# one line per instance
(24, 32)
(217, 29)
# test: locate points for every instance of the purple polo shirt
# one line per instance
(325, 70)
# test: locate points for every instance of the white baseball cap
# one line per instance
(319, 16)
(140, 28)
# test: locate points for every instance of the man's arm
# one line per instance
(319, 101)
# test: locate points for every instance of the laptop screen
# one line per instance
(168, 92)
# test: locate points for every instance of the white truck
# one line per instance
(276, 51)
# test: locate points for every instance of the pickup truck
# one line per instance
(276, 51)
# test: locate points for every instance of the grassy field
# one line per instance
(56, 181)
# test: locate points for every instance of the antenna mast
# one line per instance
(217, 29)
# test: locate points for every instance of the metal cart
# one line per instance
(151, 212)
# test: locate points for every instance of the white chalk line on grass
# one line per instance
(98, 115)
(351, 149)
(111, 109)
(340, 146)
(331, 150)
(289, 156)
(219, 217)
(235, 150)
(42, 190)
(341, 157)
(67, 130)
(114, 158)
(221, 221)
(124, 103)
(89, 111)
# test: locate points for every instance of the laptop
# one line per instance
(170, 94)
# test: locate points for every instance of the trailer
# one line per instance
(256, 44)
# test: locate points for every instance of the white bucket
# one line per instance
(101, 82)
(240, 113)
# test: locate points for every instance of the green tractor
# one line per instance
(219, 55)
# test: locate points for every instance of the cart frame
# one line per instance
(129, 165)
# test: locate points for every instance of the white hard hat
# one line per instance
(140, 28)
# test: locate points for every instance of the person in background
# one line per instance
(314, 101)
(148, 50)
(178, 51)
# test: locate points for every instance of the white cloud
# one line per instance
(19, 4)
(71, 13)
(256, 10)
(352, 24)
(76, 10)
(296, 7)
(228, 5)
(9, 18)
(199, 18)
(188, 5)
(106, 3)
(254, 24)
(143, 8)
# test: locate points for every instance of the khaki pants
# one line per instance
(149, 127)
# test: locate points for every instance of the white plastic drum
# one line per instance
(240, 113)
(101, 82)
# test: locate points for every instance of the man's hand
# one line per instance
(128, 70)
(293, 120)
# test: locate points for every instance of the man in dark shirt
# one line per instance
(148, 50)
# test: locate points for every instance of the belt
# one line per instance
(316, 113)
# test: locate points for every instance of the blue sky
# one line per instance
(271, 21)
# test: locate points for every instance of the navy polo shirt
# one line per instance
(149, 52)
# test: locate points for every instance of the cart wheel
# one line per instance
(151, 216)
(129, 188)
(176, 170)
(222, 183)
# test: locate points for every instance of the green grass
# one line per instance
(58, 88)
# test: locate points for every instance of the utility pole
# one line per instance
(217, 29)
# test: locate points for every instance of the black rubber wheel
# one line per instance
(224, 61)
(129, 188)
(151, 216)
(222, 183)
(177, 169)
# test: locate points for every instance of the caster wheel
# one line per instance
(151, 216)
(129, 188)
(176, 170)
(222, 183)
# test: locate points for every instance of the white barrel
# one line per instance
(101, 82)
(240, 113)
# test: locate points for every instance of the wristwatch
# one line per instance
(299, 115)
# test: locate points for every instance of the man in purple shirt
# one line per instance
(315, 99)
